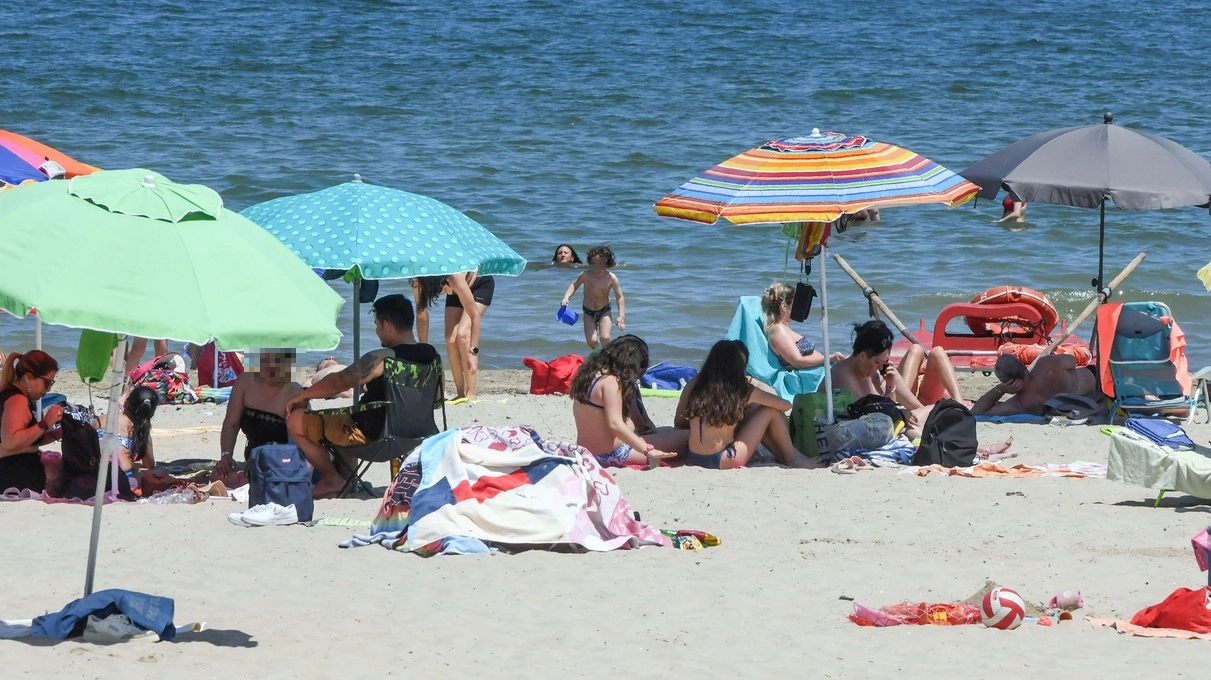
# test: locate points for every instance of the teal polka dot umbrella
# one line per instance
(375, 232)
(383, 233)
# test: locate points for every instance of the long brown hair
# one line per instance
(721, 390)
(625, 358)
(34, 362)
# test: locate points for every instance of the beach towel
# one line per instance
(508, 488)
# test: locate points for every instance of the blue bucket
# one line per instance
(567, 316)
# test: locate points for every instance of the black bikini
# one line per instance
(262, 427)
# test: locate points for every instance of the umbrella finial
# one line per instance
(357, 178)
(149, 181)
(1107, 118)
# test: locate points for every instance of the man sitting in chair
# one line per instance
(393, 320)
(1031, 389)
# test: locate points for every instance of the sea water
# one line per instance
(553, 122)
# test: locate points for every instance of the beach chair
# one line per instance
(414, 393)
(749, 328)
(1142, 361)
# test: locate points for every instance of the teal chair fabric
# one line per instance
(748, 327)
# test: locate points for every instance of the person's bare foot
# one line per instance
(327, 488)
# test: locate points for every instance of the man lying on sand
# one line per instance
(1051, 375)
(325, 368)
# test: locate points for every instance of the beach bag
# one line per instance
(1078, 408)
(554, 376)
(665, 376)
(1184, 609)
(876, 403)
(168, 376)
(278, 473)
(948, 437)
(82, 460)
(1161, 432)
(220, 373)
(808, 436)
(801, 304)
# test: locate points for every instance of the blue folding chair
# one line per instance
(748, 326)
(1140, 359)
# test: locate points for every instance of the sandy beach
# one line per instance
(286, 602)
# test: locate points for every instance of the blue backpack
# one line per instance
(278, 473)
(1161, 433)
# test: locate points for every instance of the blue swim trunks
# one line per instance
(615, 458)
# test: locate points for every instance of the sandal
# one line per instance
(844, 467)
(860, 463)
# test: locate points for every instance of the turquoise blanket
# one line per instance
(748, 327)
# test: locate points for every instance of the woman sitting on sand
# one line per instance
(869, 371)
(728, 417)
(604, 389)
(136, 456)
(257, 408)
(25, 379)
(793, 350)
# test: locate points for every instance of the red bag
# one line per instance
(555, 376)
(229, 367)
(1184, 609)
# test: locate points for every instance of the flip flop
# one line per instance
(859, 463)
(844, 467)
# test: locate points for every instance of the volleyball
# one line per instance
(1002, 608)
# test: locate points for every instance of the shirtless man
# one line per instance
(1051, 375)
(869, 371)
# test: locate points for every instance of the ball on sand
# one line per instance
(1002, 608)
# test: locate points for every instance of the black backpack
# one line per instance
(876, 403)
(82, 460)
(948, 437)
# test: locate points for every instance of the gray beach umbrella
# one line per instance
(1087, 165)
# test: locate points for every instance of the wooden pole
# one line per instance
(1098, 299)
(874, 297)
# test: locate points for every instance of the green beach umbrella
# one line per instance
(376, 232)
(131, 252)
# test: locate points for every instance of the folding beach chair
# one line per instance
(414, 392)
(749, 328)
(1142, 361)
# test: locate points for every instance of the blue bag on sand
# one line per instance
(667, 376)
(150, 612)
(278, 473)
(1161, 432)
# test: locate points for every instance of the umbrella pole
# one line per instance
(37, 331)
(828, 372)
(109, 449)
(1101, 247)
(357, 330)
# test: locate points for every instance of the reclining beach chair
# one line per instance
(414, 392)
(1142, 360)
(748, 327)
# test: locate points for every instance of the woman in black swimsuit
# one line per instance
(728, 417)
(467, 298)
(25, 379)
(257, 408)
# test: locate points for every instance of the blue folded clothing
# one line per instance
(1015, 418)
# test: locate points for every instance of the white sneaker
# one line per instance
(115, 628)
(269, 514)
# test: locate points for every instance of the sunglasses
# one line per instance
(48, 381)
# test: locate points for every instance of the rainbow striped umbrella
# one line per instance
(813, 179)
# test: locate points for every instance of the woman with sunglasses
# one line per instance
(24, 379)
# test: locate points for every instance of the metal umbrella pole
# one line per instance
(109, 449)
(828, 369)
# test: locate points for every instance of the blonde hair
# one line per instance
(772, 300)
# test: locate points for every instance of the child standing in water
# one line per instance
(598, 281)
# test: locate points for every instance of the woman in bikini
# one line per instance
(728, 417)
(793, 350)
(604, 390)
(468, 297)
(257, 408)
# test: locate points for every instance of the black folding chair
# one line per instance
(414, 391)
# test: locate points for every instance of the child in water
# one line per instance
(598, 281)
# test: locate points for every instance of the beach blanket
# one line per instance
(507, 488)
(1076, 470)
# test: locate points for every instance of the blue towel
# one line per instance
(1015, 418)
(749, 328)
(150, 612)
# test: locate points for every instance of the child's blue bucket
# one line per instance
(567, 316)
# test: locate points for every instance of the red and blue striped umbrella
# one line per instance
(813, 179)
